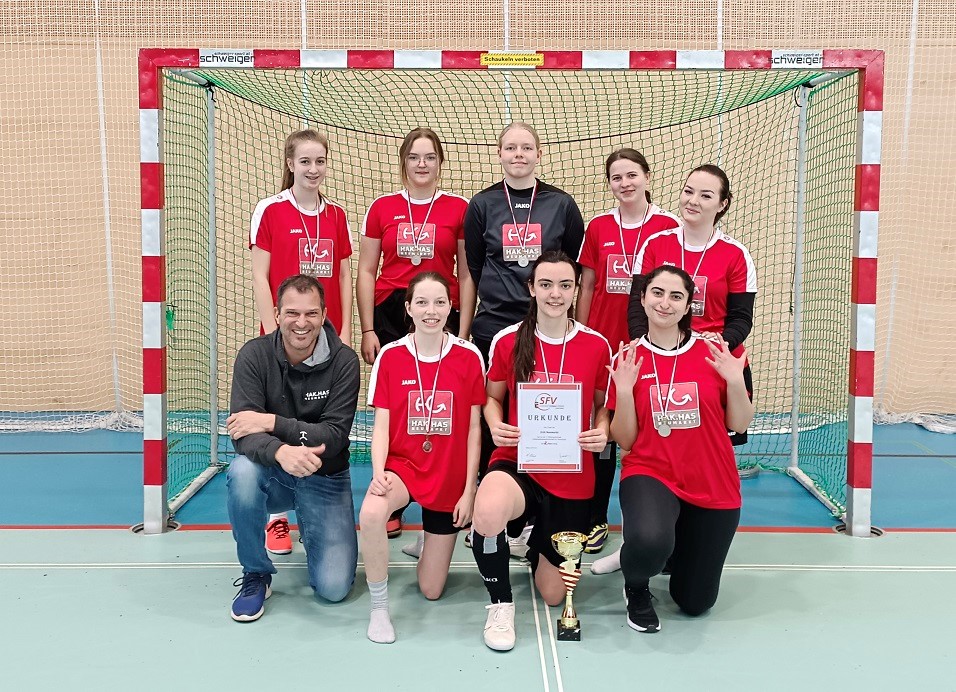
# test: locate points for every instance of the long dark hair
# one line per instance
(524, 351)
(627, 154)
(410, 293)
(684, 324)
(725, 193)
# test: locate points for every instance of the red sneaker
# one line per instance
(393, 527)
(278, 541)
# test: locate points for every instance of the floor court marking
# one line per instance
(554, 649)
(458, 565)
(537, 629)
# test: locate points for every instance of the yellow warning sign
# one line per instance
(512, 59)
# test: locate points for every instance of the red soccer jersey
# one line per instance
(585, 359)
(436, 479)
(614, 264)
(721, 267)
(277, 229)
(435, 243)
(696, 461)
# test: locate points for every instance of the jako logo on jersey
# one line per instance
(404, 382)
(399, 217)
(522, 205)
(669, 264)
(315, 396)
(293, 231)
(648, 376)
(610, 243)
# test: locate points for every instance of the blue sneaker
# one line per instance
(254, 589)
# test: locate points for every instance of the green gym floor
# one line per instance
(109, 610)
(801, 607)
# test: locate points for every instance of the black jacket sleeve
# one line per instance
(573, 230)
(740, 318)
(475, 240)
(336, 422)
(636, 317)
(249, 394)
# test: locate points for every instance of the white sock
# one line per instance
(415, 549)
(380, 628)
(608, 564)
(280, 515)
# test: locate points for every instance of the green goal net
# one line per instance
(786, 138)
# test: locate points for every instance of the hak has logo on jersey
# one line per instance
(521, 241)
(683, 405)
(438, 405)
(315, 259)
(618, 275)
(416, 241)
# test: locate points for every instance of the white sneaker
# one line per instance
(500, 626)
(606, 565)
(415, 549)
(519, 544)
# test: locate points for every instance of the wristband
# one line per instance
(366, 331)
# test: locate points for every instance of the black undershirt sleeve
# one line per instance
(740, 318)
(636, 317)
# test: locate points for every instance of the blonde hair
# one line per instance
(288, 152)
(520, 126)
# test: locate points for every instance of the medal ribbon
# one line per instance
(544, 360)
(522, 232)
(313, 247)
(416, 237)
(629, 265)
(421, 390)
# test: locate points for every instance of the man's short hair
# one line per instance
(301, 283)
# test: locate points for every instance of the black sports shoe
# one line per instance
(640, 612)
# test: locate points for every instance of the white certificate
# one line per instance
(549, 418)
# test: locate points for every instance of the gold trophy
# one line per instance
(570, 545)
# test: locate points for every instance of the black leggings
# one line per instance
(658, 524)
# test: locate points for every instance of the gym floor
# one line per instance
(89, 605)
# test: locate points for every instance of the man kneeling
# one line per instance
(294, 394)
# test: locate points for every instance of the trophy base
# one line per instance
(569, 633)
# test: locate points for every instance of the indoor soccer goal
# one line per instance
(798, 132)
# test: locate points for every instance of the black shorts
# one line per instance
(391, 322)
(439, 523)
(550, 513)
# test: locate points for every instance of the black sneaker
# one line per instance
(640, 611)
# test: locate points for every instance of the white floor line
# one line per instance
(554, 649)
(537, 629)
(458, 565)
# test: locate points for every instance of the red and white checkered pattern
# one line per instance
(867, 204)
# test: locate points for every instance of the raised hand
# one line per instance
(724, 362)
(626, 366)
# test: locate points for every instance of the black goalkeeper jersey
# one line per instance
(494, 248)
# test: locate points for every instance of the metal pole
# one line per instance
(213, 301)
(798, 275)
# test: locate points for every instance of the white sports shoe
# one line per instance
(606, 565)
(500, 626)
(519, 544)
(415, 549)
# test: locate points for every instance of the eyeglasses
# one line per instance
(416, 158)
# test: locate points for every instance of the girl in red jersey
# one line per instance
(300, 231)
(724, 275)
(427, 389)
(419, 228)
(545, 347)
(674, 395)
(608, 256)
